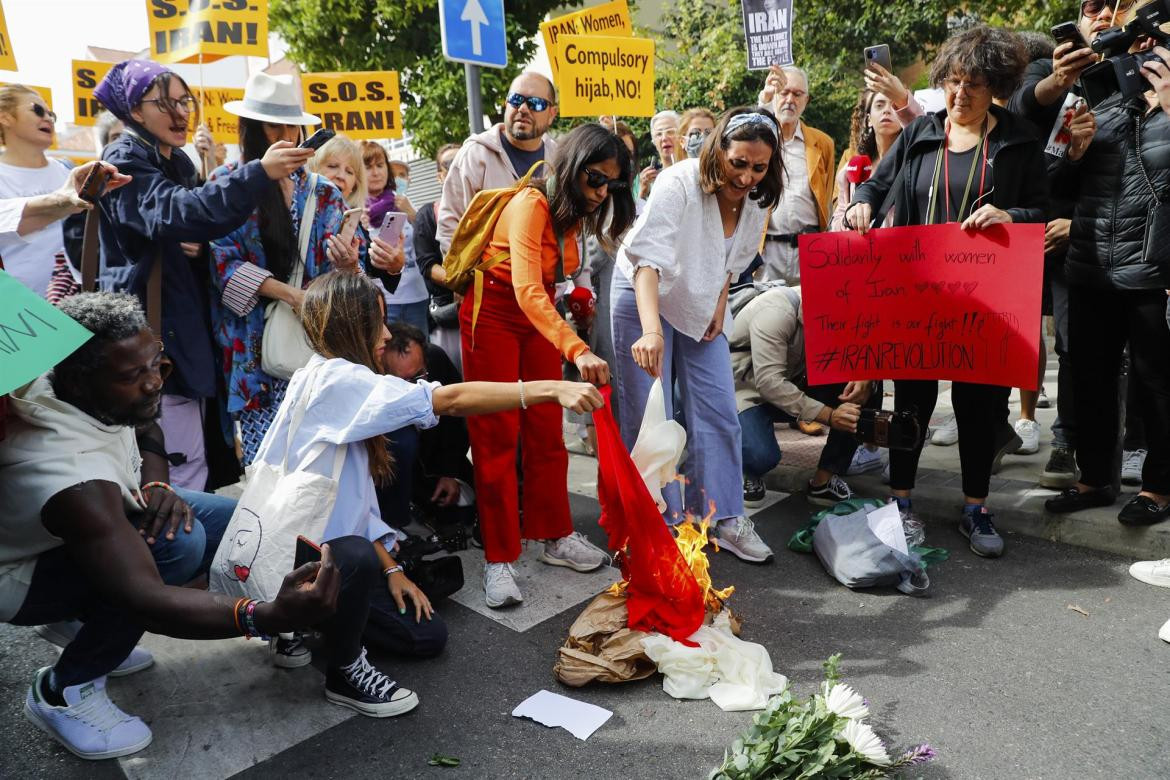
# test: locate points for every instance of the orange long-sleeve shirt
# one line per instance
(525, 231)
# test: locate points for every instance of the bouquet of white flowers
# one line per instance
(824, 736)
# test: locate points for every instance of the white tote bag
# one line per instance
(284, 347)
(259, 544)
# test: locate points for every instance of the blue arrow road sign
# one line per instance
(473, 32)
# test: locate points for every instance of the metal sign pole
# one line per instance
(474, 98)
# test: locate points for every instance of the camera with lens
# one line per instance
(1120, 71)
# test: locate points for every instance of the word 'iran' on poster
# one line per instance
(7, 57)
(206, 30)
(363, 104)
(767, 26)
(609, 19)
(601, 75)
(87, 74)
(931, 302)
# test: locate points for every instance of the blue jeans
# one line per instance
(411, 313)
(761, 451)
(714, 465)
(60, 591)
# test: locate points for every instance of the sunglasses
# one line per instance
(43, 112)
(1091, 8)
(597, 180)
(538, 104)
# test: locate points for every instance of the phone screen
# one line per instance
(391, 229)
(349, 225)
(307, 552)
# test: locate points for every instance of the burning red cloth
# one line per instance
(662, 595)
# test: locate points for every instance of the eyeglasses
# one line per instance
(167, 105)
(537, 104)
(1090, 8)
(664, 132)
(970, 87)
(43, 112)
(597, 180)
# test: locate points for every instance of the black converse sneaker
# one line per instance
(288, 651)
(364, 689)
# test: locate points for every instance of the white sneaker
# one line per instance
(1132, 462)
(89, 725)
(1029, 433)
(738, 536)
(574, 551)
(1164, 632)
(499, 585)
(864, 461)
(1152, 572)
(62, 633)
(947, 433)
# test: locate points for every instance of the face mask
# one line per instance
(695, 144)
(401, 184)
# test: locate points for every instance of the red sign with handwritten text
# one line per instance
(929, 302)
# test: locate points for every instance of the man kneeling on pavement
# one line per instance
(771, 386)
(91, 531)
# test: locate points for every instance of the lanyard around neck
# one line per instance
(945, 170)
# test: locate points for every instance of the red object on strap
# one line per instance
(663, 595)
(858, 169)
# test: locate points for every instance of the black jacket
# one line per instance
(162, 206)
(1014, 152)
(1110, 241)
(427, 253)
(1024, 103)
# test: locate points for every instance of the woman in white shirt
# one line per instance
(354, 403)
(26, 131)
(700, 228)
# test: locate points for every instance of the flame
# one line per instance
(691, 538)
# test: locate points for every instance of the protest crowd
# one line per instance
(290, 311)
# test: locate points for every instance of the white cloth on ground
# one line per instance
(735, 674)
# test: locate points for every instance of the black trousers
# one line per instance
(1101, 321)
(981, 413)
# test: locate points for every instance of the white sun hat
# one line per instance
(274, 99)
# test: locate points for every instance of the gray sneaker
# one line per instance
(738, 536)
(979, 529)
(499, 585)
(574, 551)
(1132, 462)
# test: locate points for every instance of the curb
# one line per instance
(1018, 511)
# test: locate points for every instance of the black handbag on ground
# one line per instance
(896, 430)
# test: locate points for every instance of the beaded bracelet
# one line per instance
(145, 489)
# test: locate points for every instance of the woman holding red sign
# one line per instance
(977, 164)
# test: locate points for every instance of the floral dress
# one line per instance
(238, 268)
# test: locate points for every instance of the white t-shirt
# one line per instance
(30, 258)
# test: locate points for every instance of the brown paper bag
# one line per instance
(601, 648)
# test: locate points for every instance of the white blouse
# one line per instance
(680, 235)
(350, 404)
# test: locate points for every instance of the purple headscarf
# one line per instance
(125, 84)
